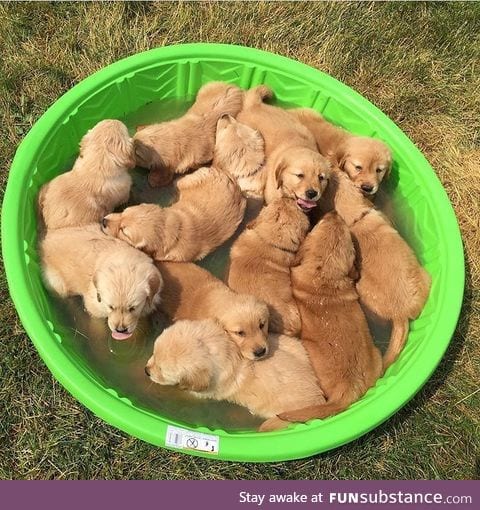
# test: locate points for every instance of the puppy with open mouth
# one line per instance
(294, 168)
(366, 161)
(116, 281)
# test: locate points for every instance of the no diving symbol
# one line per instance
(192, 442)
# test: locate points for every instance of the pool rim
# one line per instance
(249, 446)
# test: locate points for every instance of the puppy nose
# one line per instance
(147, 372)
(311, 193)
(121, 329)
(104, 222)
(368, 188)
(260, 352)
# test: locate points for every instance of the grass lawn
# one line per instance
(418, 62)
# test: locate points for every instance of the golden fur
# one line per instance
(98, 182)
(365, 160)
(191, 292)
(294, 167)
(199, 357)
(392, 283)
(186, 143)
(209, 208)
(261, 258)
(116, 281)
(239, 150)
(334, 329)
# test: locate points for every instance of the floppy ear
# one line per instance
(154, 285)
(198, 381)
(279, 169)
(95, 284)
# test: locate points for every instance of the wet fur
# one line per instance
(261, 258)
(187, 143)
(198, 357)
(334, 329)
(98, 182)
(191, 292)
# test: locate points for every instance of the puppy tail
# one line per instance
(397, 342)
(257, 95)
(319, 411)
(272, 424)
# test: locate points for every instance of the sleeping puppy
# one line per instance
(209, 208)
(239, 150)
(392, 283)
(334, 329)
(191, 292)
(294, 168)
(98, 182)
(198, 357)
(365, 160)
(261, 258)
(186, 143)
(116, 281)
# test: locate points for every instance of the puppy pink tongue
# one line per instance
(120, 336)
(306, 204)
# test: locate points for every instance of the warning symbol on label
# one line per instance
(192, 442)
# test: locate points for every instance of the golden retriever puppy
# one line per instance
(198, 357)
(116, 281)
(191, 292)
(334, 329)
(365, 160)
(392, 284)
(239, 150)
(186, 143)
(209, 208)
(98, 182)
(294, 167)
(261, 258)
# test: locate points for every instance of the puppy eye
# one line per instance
(321, 177)
(111, 307)
(131, 309)
(240, 333)
(99, 299)
(358, 168)
(379, 170)
(262, 325)
(300, 176)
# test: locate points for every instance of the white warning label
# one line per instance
(191, 440)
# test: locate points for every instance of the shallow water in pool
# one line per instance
(120, 364)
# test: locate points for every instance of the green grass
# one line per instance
(418, 62)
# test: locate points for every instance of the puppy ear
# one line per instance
(198, 381)
(279, 169)
(338, 157)
(154, 284)
(95, 284)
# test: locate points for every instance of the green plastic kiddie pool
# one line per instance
(423, 214)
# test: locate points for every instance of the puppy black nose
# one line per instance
(311, 193)
(368, 188)
(147, 372)
(260, 352)
(121, 330)
(104, 222)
